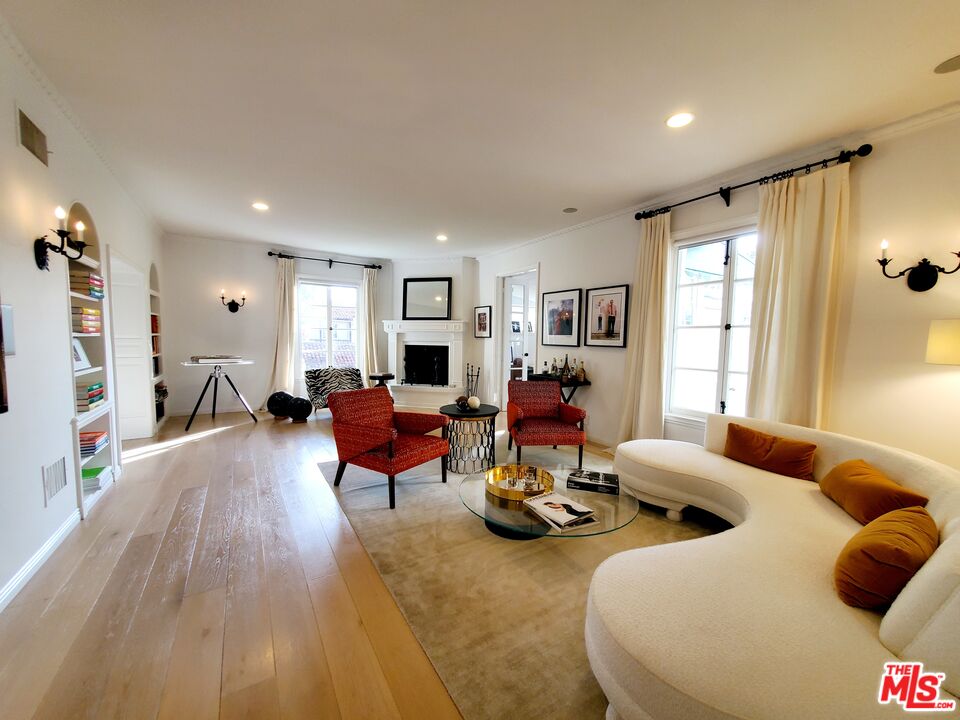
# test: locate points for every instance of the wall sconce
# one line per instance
(42, 248)
(233, 306)
(922, 276)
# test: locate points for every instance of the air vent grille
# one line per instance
(33, 138)
(54, 479)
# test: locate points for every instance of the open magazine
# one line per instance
(559, 511)
(593, 481)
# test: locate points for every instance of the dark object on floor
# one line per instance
(323, 381)
(381, 378)
(299, 409)
(278, 404)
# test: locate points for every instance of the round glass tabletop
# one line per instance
(509, 518)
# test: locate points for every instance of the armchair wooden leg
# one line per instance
(518, 454)
(391, 483)
(580, 456)
(340, 468)
(509, 441)
(443, 468)
(554, 447)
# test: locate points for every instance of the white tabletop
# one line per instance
(220, 363)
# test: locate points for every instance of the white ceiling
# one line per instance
(370, 127)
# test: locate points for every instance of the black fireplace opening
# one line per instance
(426, 364)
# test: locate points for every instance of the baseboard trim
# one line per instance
(23, 575)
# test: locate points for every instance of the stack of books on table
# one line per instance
(86, 283)
(89, 396)
(594, 481)
(92, 442)
(559, 511)
(93, 477)
(215, 359)
(86, 320)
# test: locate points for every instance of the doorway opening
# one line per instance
(519, 327)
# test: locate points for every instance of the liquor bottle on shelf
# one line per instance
(581, 372)
(546, 369)
(565, 373)
(553, 367)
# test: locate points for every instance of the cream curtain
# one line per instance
(368, 324)
(802, 233)
(643, 385)
(281, 377)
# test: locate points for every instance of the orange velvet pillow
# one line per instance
(881, 558)
(783, 456)
(865, 492)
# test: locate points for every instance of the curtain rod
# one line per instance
(330, 261)
(844, 156)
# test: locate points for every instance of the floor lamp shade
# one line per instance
(943, 343)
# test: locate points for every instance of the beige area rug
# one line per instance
(501, 620)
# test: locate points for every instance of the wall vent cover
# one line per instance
(33, 138)
(54, 479)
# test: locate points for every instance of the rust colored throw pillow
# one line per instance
(865, 492)
(783, 456)
(881, 558)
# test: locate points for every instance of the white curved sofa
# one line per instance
(746, 623)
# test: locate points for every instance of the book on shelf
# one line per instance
(215, 359)
(89, 406)
(593, 481)
(89, 394)
(92, 448)
(559, 511)
(88, 330)
(154, 323)
(93, 477)
(89, 312)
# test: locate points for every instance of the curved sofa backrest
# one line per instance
(937, 481)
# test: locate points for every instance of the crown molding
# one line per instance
(809, 154)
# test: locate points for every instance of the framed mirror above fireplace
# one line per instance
(427, 298)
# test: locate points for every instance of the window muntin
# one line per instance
(327, 319)
(710, 333)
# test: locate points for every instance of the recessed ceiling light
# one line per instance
(438, 298)
(948, 66)
(442, 238)
(680, 120)
(261, 206)
(570, 210)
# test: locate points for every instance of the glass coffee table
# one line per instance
(506, 516)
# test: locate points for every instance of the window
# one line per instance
(710, 345)
(327, 317)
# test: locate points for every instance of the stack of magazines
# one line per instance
(86, 283)
(559, 511)
(215, 359)
(92, 442)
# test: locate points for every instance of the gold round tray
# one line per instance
(518, 482)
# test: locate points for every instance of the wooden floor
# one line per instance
(217, 578)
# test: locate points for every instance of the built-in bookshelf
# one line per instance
(94, 426)
(156, 349)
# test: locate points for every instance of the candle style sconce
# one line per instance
(42, 248)
(922, 276)
(233, 306)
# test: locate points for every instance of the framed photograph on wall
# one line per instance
(606, 316)
(3, 370)
(80, 361)
(561, 318)
(483, 321)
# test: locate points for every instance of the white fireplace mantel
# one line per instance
(448, 333)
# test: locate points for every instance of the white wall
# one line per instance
(906, 191)
(596, 255)
(195, 322)
(36, 430)
(463, 270)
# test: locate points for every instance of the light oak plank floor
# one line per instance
(218, 578)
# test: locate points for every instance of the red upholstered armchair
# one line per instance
(537, 416)
(370, 434)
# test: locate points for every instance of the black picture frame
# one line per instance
(483, 313)
(443, 314)
(558, 304)
(606, 336)
(4, 405)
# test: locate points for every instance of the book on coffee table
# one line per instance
(559, 511)
(593, 481)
